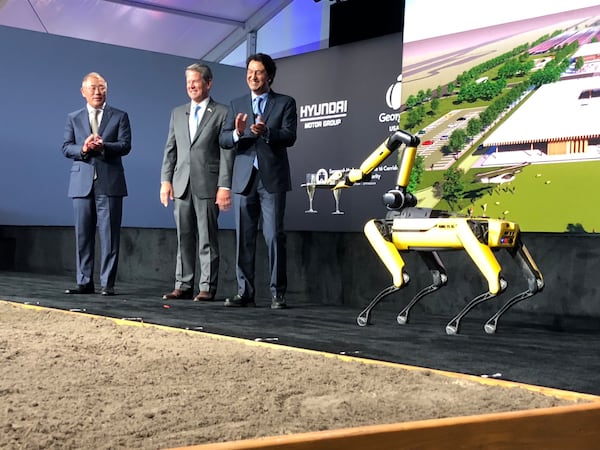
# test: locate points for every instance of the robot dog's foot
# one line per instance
(363, 318)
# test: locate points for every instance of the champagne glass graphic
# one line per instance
(336, 197)
(311, 185)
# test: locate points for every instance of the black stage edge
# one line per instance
(562, 356)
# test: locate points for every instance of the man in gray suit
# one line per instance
(95, 138)
(260, 127)
(196, 175)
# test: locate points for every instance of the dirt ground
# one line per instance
(72, 381)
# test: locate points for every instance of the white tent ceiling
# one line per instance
(204, 29)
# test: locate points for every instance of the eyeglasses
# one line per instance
(257, 73)
(93, 88)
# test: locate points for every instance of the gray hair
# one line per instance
(202, 69)
(94, 75)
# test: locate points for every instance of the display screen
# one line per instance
(506, 99)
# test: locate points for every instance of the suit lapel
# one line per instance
(105, 119)
(206, 118)
(247, 107)
(83, 120)
(268, 107)
(182, 120)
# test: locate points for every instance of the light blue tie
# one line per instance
(196, 113)
(257, 107)
(194, 125)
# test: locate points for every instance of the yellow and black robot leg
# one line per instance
(535, 283)
(376, 232)
(439, 276)
(483, 257)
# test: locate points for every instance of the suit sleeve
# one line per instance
(118, 141)
(283, 134)
(170, 154)
(226, 159)
(226, 136)
(70, 148)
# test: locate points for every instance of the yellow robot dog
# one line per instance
(427, 231)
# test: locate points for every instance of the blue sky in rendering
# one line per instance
(430, 18)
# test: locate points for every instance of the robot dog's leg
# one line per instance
(535, 283)
(488, 265)
(376, 231)
(363, 317)
(453, 325)
(440, 278)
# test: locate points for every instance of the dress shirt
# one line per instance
(193, 121)
(92, 111)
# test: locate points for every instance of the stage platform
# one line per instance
(523, 349)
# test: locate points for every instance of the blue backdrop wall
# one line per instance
(40, 77)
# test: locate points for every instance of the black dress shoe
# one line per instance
(107, 291)
(278, 302)
(81, 289)
(239, 301)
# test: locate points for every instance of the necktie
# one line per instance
(194, 124)
(94, 121)
(94, 124)
(258, 106)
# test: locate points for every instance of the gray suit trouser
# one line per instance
(197, 240)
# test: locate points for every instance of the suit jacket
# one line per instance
(281, 118)
(199, 162)
(107, 167)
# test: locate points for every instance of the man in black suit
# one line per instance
(95, 138)
(260, 127)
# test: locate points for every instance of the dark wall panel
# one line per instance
(343, 269)
(357, 20)
(348, 101)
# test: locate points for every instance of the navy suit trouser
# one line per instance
(103, 212)
(249, 208)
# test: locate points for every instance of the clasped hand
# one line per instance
(241, 120)
(93, 143)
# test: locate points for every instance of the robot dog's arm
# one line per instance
(379, 155)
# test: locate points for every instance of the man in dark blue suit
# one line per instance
(96, 137)
(260, 127)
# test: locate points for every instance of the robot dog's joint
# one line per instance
(396, 199)
(384, 227)
(480, 230)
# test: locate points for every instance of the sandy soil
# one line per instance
(72, 381)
